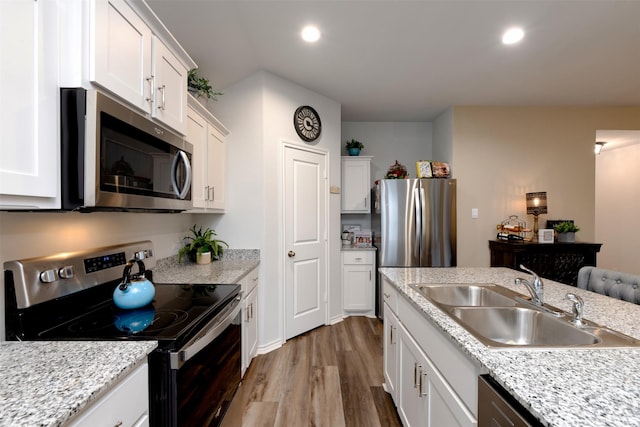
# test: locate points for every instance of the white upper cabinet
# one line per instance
(128, 58)
(207, 134)
(356, 184)
(120, 55)
(30, 160)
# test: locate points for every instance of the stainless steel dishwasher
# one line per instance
(497, 408)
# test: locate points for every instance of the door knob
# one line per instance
(291, 254)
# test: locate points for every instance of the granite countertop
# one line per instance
(234, 265)
(560, 387)
(46, 383)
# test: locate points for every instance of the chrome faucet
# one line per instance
(578, 306)
(536, 289)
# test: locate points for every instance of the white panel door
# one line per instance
(305, 240)
(170, 89)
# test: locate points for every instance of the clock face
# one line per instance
(307, 123)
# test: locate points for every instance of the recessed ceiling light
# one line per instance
(310, 34)
(512, 35)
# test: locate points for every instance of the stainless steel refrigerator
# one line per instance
(417, 224)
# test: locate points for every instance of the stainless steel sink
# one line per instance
(501, 318)
(468, 295)
(518, 326)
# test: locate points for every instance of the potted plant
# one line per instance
(354, 147)
(200, 86)
(566, 231)
(201, 246)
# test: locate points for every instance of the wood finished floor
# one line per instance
(331, 376)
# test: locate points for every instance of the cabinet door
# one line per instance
(217, 160)
(357, 283)
(197, 135)
(29, 164)
(170, 87)
(356, 185)
(120, 54)
(252, 326)
(391, 352)
(412, 394)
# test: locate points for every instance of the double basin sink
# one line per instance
(501, 318)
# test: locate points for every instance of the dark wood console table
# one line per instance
(559, 262)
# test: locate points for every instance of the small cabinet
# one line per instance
(390, 351)
(209, 159)
(29, 164)
(127, 58)
(249, 286)
(358, 280)
(356, 185)
(126, 404)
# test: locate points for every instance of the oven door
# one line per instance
(199, 380)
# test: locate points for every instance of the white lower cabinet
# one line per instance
(358, 282)
(432, 383)
(126, 404)
(249, 286)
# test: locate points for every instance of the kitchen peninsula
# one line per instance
(559, 387)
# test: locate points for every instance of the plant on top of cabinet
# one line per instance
(200, 86)
(354, 147)
(566, 231)
(202, 242)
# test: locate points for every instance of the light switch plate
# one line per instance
(474, 213)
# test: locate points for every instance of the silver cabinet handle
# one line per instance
(207, 191)
(422, 393)
(391, 337)
(152, 86)
(162, 91)
(415, 374)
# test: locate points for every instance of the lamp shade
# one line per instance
(537, 203)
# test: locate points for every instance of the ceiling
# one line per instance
(400, 60)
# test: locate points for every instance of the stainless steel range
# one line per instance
(194, 372)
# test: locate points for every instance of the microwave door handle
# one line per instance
(181, 156)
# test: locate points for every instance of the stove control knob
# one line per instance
(66, 272)
(48, 276)
(147, 253)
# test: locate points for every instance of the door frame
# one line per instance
(284, 145)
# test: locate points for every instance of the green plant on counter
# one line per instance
(355, 144)
(201, 242)
(566, 227)
(201, 86)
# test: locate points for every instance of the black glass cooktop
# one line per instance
(176, 313)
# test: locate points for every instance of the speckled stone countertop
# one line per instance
(46, 383)
(355, 249)
(234, 265)
(560, 387)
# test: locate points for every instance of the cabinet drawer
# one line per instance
(390, 295)
(357, 257)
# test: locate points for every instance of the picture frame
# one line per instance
(440, 170)
(546, 235)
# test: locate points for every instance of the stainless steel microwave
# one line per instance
(114, 158)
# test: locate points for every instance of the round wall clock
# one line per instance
(307, 123)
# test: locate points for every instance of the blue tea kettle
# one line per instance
(135, 290)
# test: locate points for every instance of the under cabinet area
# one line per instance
(358, 281)
(356, 185)
(249, 285)
(209, 160)
(432, 383)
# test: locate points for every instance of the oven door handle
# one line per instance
(209, 333)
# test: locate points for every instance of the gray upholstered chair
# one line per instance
(611, 283)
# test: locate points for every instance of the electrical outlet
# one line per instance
(474, 213)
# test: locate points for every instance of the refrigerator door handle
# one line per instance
(420, 207)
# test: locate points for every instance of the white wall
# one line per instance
(259, 114)
(617, 208)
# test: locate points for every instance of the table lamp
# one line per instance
(536, 205)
